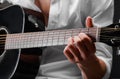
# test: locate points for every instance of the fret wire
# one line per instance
(45, 34)
(52, 35)
(24, 39)
(59, 38)
(55, 39)
(48, 39)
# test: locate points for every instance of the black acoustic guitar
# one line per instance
(13, 38)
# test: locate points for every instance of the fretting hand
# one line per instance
(81, 50)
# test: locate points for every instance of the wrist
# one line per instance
(94, 69)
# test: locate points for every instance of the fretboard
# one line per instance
(46, 38)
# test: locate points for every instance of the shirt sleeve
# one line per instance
(102, 14)
(29, 4)
(104, 52)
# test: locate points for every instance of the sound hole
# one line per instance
(2, 40)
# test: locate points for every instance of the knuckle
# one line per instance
(70, 46)
(65, 50)
(79, 42)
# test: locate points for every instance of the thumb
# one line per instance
(89, 22)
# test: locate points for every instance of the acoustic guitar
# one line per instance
(13, 38)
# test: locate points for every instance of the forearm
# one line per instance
(103, 66)
(95, 70)
(104, 53)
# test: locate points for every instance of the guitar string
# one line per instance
(42, 45)
(104, 36)
(104, 30)
(60, 38)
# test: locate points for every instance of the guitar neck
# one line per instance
(46, 38)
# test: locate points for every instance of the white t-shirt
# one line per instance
(65, 14)
(24, 3)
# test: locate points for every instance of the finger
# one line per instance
(70, 40)
(89, 22)
(68, 54)
(75, 52)
(81, 47)
(72, 51)
(90, 47)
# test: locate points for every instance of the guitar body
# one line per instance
(11, 21)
